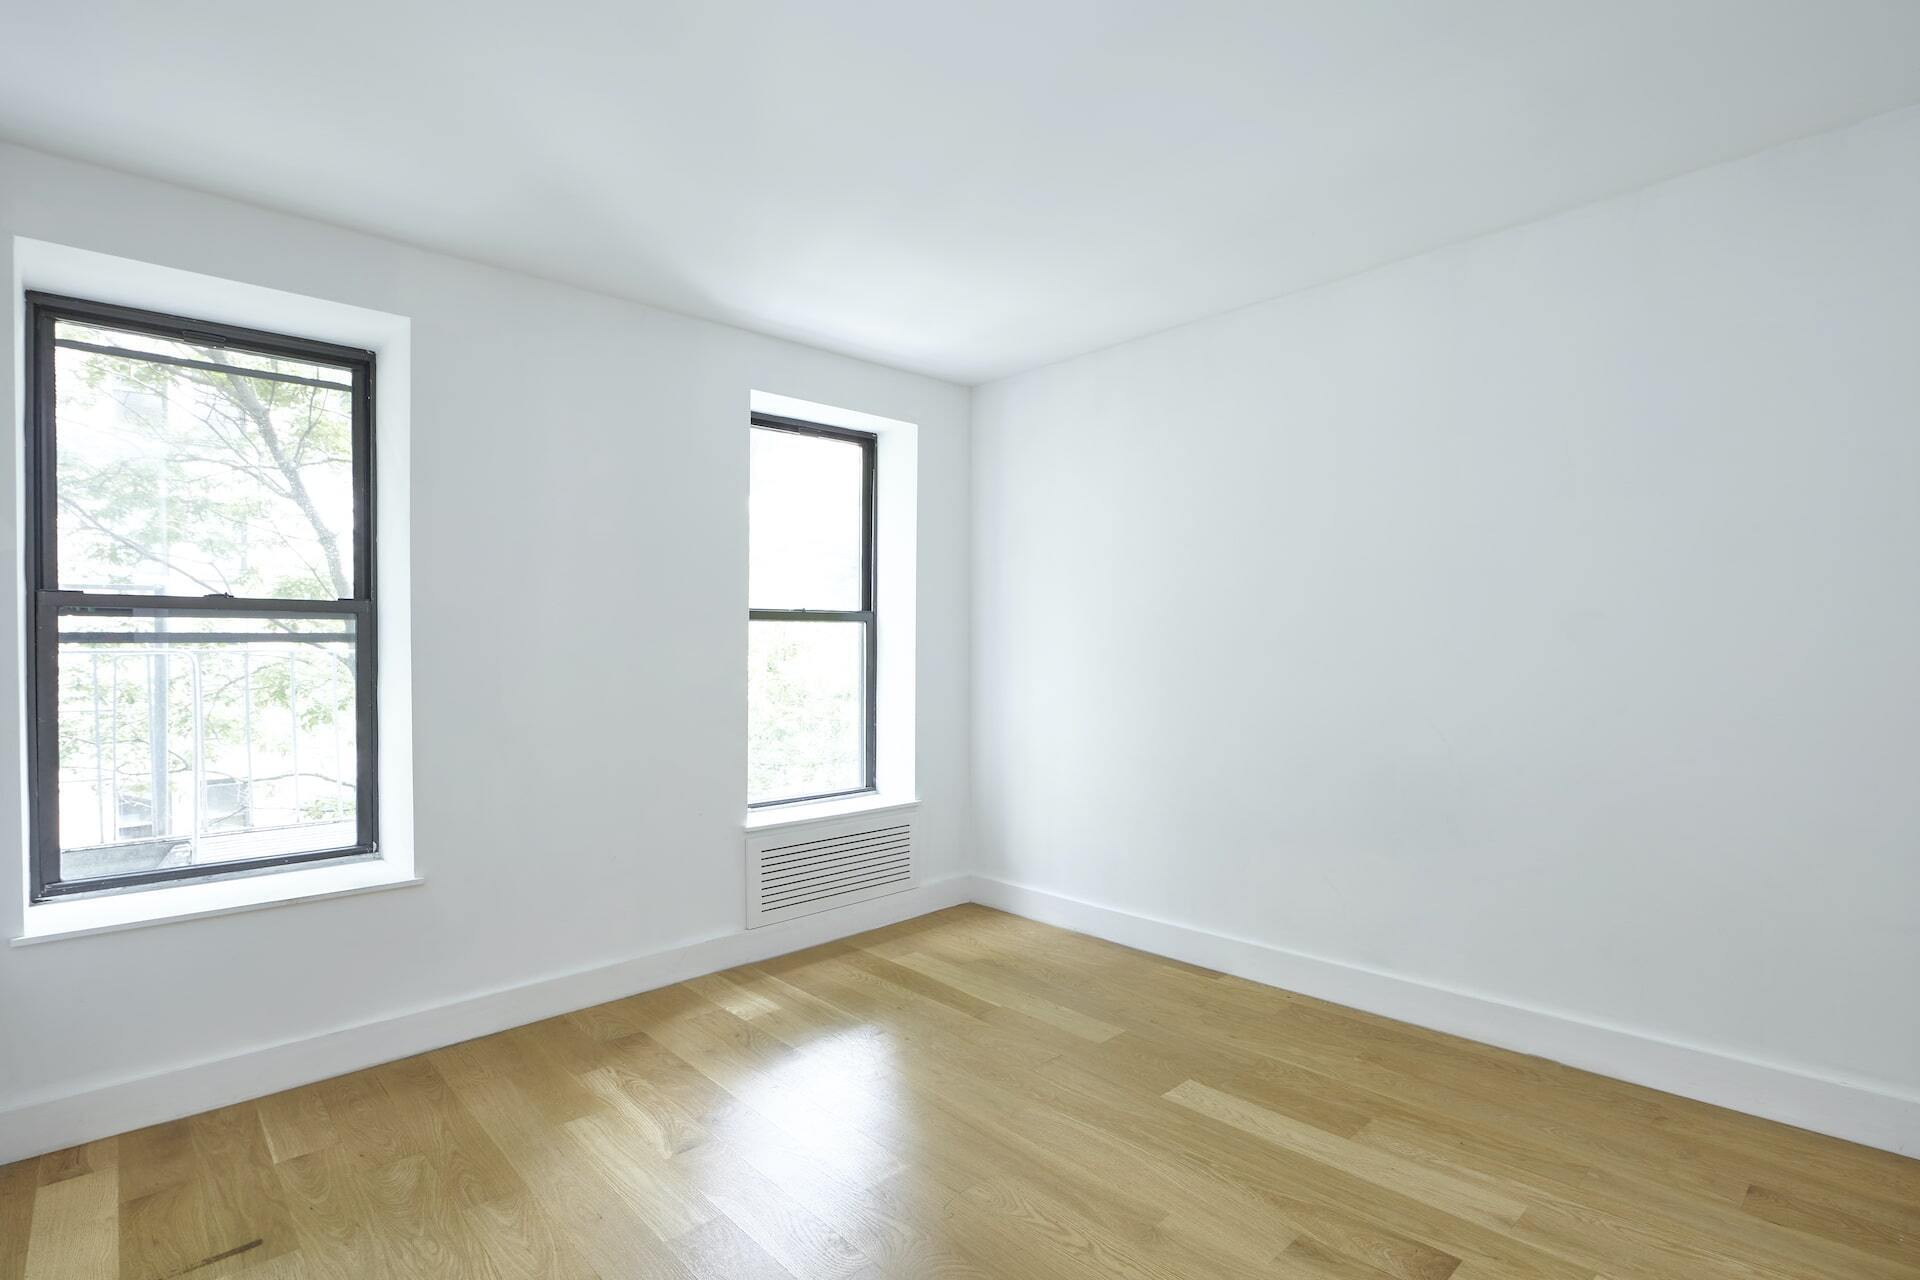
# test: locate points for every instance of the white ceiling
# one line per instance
(967, 189)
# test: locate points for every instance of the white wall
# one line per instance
(1537, 618)
(579, 592)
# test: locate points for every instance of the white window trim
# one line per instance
(80, 917)
(62, 269)
(896, 612)
(804, 811)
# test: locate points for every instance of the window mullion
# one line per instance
(103, 602)
(810, 615)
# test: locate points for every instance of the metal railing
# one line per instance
(114, 803)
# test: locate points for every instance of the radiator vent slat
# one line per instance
(831, 884)
(838, 850)
(844, 860)
(835, 891)
(797, 871)
(836, 839)
(812, 849)
(834, 851)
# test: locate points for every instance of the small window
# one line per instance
(810, 629)
(201, 598)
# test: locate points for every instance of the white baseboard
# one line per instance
(1861, 1111)
(69, 1119)
(1867, 1112)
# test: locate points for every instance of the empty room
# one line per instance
(1102, 639)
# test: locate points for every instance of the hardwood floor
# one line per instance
(967, 1094)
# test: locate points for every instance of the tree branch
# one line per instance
(86, 518)
(245, 397)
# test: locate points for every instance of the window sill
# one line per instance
(110, 913)
(797, 814)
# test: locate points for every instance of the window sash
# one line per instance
(47, 603)
(867, 614)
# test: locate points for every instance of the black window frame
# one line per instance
(867, 613)
(46, 602)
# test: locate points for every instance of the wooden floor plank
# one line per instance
(963, 1096)
(75, 1233)
(1451, 1192)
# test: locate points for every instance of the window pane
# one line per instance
(807, 522)
(188, 481)
(190, 739)
(806, 699)
(135, 343)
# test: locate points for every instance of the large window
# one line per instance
(810, 629)
(201, 611)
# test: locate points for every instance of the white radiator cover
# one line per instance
(801, 868)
